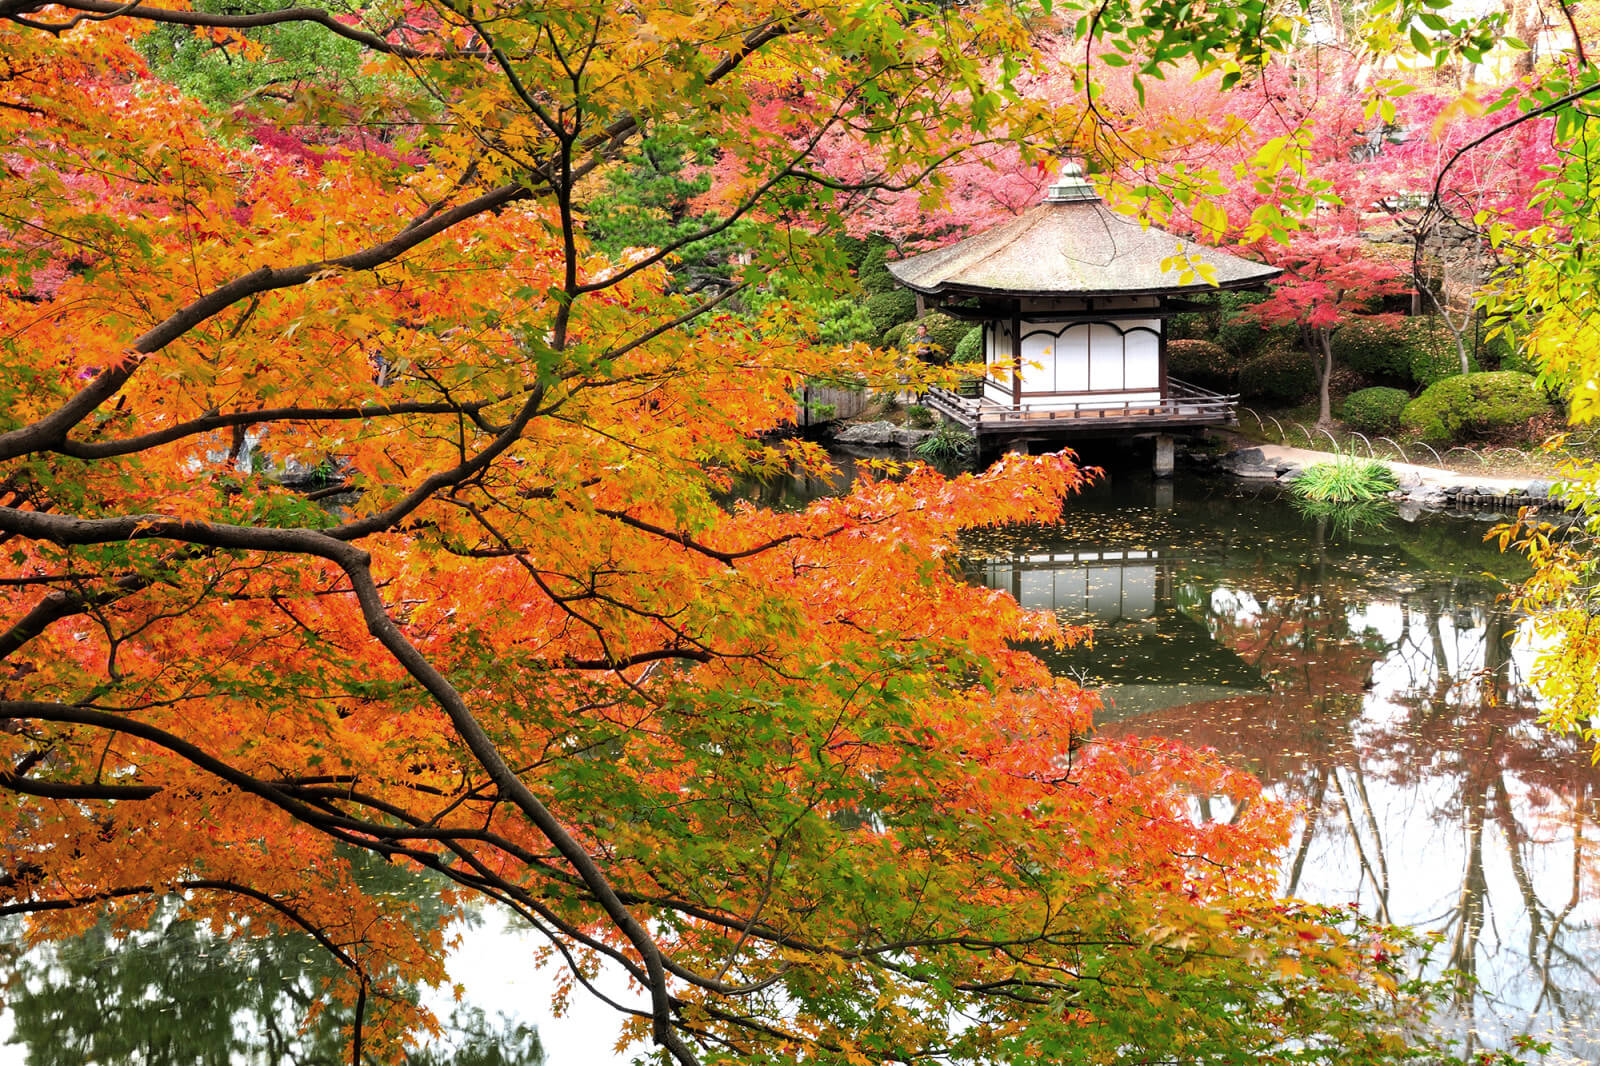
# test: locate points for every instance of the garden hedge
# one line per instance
(1471, 405)
(894, 336)
(970, 348)
(1375, 410)
(944, 333)
(889, 309)
(1281, 375)
(874, 275)
(1375, 345)
(1202, 363)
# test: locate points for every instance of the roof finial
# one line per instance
(1070, 187)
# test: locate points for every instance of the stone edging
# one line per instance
(1422, 488)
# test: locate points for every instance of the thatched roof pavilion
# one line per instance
(1073, 299)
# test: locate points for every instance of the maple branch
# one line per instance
(1577, 37)
(728, 557)
(484, 750)
(63, 604)
(50, 432)
(90, 450)
(100, 10)
(1557, 104)
(538, 111)
(74, 790)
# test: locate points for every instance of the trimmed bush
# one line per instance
(944, 333)
(844, 322)
(1508, 355)
(1190, 326)
(890, 309)
(1375, 410)
(1202, 363)
(894, 336)
(1282, 375)
(874, 275)
(1379, 345)
(1433, 352)
(970, 348)
(1470, 405)
(854, 249)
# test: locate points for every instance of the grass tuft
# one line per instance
(1345, 481)
(949, 444)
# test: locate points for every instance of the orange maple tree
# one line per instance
(352, 503)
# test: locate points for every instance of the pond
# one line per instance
(1376, 678)
(1372, 675)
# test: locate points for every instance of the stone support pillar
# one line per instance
(1165, 450)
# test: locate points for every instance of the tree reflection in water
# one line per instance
(175, 994)
(1374, 677)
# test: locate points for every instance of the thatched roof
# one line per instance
(1071, 245)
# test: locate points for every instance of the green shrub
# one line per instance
(970, 348)
(874, 275)
(1191, 326)
(1231, 302)
(844, 322)
(1470, 405)
(853, 249)
(889, 309)
(919, 417)
(1202, 363)
(1433, 352)
(1282, 375)
(1379, 345)
(1376, 410)
(1345, 481)
(943, 337)
(1246, 338)
(1507, 354)
(946, 333)
(1237, 329)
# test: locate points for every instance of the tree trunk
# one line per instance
(1324, 377)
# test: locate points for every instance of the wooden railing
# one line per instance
(1184, 403)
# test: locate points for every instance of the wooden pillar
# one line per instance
(1016, 355)
(1161, 348)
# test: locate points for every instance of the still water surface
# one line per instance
(1376, 678)
(1372, 676)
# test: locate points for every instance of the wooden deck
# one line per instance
(1186, 406)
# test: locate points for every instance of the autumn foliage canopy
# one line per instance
(354, 503)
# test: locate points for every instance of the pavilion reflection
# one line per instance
(1148, 651)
